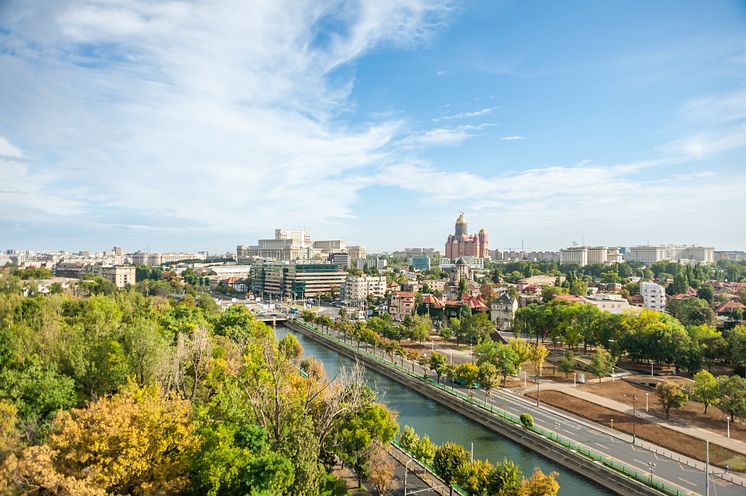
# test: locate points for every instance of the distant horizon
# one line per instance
(198, 125)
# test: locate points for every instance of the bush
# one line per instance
(527, 420)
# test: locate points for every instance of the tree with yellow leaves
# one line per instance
(138, 441)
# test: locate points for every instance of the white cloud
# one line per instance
(212, 114)
(512, 138)
(7, 149)
(467, 115)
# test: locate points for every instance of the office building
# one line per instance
(340, 258)
(420, 262)
(299, 280)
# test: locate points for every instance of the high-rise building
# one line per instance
(653, 296)
(420, 262)
(462, 244)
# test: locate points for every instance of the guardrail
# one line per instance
(641, 477)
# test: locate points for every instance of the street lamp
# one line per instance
(406, 470)
(652, 467)
(634, 418)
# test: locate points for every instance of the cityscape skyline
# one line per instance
(201, 126)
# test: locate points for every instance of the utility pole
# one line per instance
(634, 418)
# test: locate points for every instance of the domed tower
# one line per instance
(461, 228)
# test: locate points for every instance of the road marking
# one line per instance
(687, 482)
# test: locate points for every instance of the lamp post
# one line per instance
(727, 419)
(574, 379)
(647, 404)
(651, 465)
(634, 417)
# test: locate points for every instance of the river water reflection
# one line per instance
(442, 424)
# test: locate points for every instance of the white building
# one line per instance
(502, 311)
(587, 255)
(653, 296)
(610, 302)
(472, 262)
(677, 253)
(356, 289)
(120, 275)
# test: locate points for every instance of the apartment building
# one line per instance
(653, 296)
(402, 305)
(120, 275)
(502, 311)
(356, 289)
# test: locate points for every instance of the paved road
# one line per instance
(675, 470)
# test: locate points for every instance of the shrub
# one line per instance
(527, 420)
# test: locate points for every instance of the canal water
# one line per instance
(442, 424)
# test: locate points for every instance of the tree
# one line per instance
(506, 361)
(737, 345)
(408, 439)
(705, 389)
(671, 395)
(732, 396)
(488, 378)
(468, 373)
(540, 484)
(449, 462)
(438, 363)
(290, 347)
(567, 364)
(706, 293)
(475, 476)
(425, 450)
(135, 442)
(421, 326)
(504, 479)
(381, 471)
(691, 311)
(602, 362)
(538, 355)
(359, 433)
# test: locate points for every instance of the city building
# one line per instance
(340, 258)
(356, 289)
(472, 262)
(328, 246)
(120, 275)
(733, 256)
(610, 302)
(401, 305)
(416, 252)
(653, 296)
(357, 252)
(299, 280)
(71, 270)
(675, 253)
(155, 259)
(531, 256)
(588, 255)
(462, 244)
(420, 262)
(288, 245)
(502, 311)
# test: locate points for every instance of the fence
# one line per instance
(641, 477)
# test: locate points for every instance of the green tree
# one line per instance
(438, 363)
(671, 395)
(691, 311)
(408, 439)
(737, 345)
(567, 364)
(504, 479)
(705, 389)
(602, 363)
(489, 378)
(425, 450)
(468, 373)
(449, 462)
(732, 396)
(359, 433)
(706, 293)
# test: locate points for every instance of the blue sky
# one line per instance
(202, 125)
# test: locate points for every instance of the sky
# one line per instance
(200, 125)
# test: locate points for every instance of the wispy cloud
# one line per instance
(467, 115)
(512, 138)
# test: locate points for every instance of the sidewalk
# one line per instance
(697, 432)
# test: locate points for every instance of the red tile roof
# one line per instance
(568, 297)
(729, 306)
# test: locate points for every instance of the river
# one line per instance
(442, 424)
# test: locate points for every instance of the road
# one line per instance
(675, 470)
